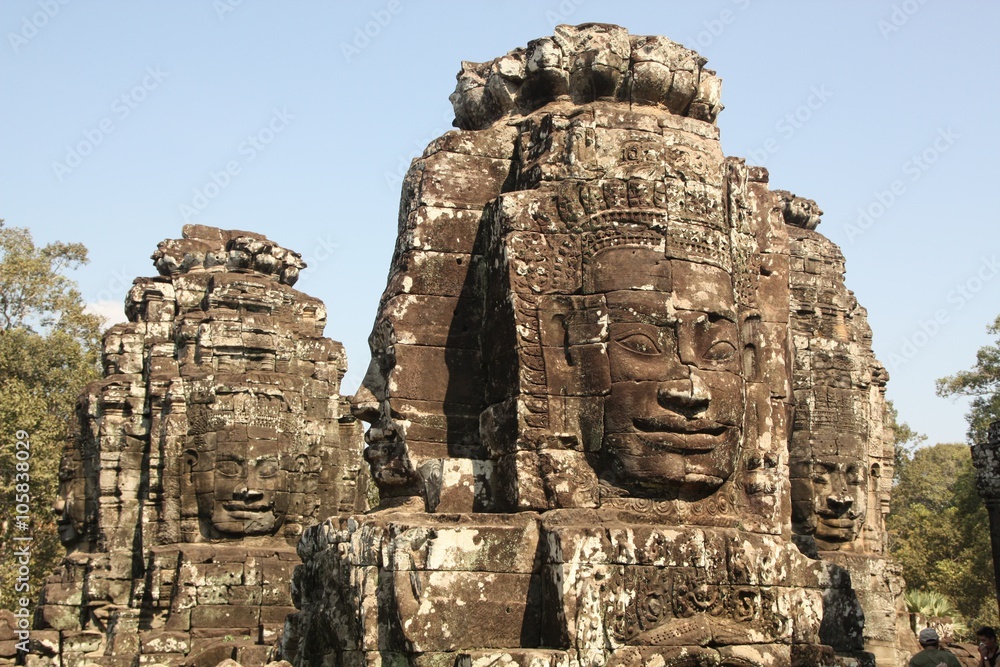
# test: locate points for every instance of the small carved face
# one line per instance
(830, 499)
(243, 492)
(70, 505)
(386, 453)
(390, 466)
(674, 416)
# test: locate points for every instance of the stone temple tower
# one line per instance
(216, 435)
(623, 409)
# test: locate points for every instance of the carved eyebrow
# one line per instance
(711, 316)
(636, 332)
(636, 313)
(721, 317)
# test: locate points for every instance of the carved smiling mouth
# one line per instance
(836, 530)
(834, 522)
(236, 508)
(677, 434)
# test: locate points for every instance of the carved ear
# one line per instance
(751, 332)
(190, 459)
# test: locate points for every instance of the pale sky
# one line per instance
(119, 122)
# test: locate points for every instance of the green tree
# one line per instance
(982, 384)
(939, 531)
(49, 349)
(905, 440)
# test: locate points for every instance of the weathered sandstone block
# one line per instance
(643, 423)
(217, 434)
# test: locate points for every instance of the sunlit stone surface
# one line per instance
(215, 437)
(623, 409)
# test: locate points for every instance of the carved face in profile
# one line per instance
(829, 499)
(70, 505)
(674, 415)
(241, 491)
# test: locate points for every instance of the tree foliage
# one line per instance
(939, 531)
(929, 603)
(982, 384)
(49, 349)
(905, 440)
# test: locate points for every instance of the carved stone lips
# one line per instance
(253, 508)
(675, 433)
(834, 522)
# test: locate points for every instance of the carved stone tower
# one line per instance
(217, 435)
(624, 410)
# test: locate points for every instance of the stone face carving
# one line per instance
(243, 488)
(216, 435)
(840, 447)
(835, 497)
(244, 461)
(841, 462)
(675, 410)
(70, 507)
(624, 410)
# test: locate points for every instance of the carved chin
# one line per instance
(837, 530)
(389, 463)
(657, 469)
(246, 522)
(67, 531)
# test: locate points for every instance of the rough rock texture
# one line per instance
(624, 410)
(215, 436)
(840, 450)
(986, 459)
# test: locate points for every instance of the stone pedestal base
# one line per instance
(566, 587)
(197, 605)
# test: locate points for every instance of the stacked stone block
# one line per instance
(641, 425)
(217, 434)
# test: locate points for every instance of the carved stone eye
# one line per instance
(228, 468)
(854, 476)
(267, 468)
(722, 350)
(639, 343)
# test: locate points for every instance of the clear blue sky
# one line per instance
(884, 107)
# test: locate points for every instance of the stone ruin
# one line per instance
(217, 434)
(623, 411)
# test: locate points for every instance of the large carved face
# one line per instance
(241, 490)
(674, 415)
(830, 499)
(70, 505)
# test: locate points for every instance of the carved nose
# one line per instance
(689, 394)
(839, 502)
(370, 455)
(365, 406)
